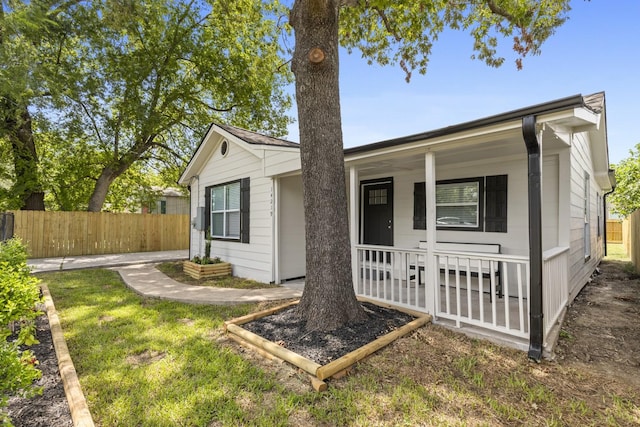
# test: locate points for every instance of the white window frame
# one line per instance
(478, 204)
(225, 211)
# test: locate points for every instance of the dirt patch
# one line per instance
(602, 327)
(147, 357)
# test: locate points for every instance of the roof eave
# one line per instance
(557, 105)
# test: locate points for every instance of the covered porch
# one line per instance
(449, 267)
(463, 295)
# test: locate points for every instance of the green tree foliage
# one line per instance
(19, 293)
(388, 32)
(25, 29)
(115, 83)
(626, 197)
(403, 33)
(148, 76)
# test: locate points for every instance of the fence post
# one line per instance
(6, 226)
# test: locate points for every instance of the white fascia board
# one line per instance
(195, 164)
(577, 117)
(467, 137)
(208, 146)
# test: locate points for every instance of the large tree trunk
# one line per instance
(328, 300)
(17, 127)
(106, 178)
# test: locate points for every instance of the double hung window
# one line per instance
(225, 210)
(469, 204)
(458, 204)
(228, 210)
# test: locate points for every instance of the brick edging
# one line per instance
(75, 398)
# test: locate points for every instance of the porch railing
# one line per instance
(391, 274)
(486, 290)
(555, 276)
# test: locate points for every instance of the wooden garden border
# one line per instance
(318, 373)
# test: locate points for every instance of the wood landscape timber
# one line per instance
(318, 373)
(202, 271)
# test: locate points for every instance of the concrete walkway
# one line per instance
(139, 273)
(40, 265)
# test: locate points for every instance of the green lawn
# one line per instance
(145, 362)
(615, 251)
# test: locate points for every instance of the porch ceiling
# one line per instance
(505, 146)
(459, 154)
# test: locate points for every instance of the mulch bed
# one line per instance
(289, 331)
(50, 408)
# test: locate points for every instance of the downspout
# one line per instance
(536, 325)
(190, 219)
(604, 209)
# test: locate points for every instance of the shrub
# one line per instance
(19, 294)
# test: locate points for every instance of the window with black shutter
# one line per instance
(419, 206)
(470, 204)
(227, 210)
(496, 196)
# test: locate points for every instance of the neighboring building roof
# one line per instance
(257, 138)
(168, 191)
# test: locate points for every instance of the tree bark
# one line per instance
(99, 194)
(328, 300)
(17, 126)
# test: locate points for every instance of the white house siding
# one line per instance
(291, 257)
(252, 260)
(580, 268)
(514, 241)
(550, 203)
(279, 161)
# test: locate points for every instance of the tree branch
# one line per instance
(392, 31)
(93, 122)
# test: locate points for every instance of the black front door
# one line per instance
(377, 212)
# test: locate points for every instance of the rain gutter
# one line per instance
(536, 324)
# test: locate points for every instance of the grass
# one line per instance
(174, 270)
(148, 362)
(616, 252)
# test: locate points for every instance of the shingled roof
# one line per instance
(256, 138)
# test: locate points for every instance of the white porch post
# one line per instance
(353, 221)
(431, 281)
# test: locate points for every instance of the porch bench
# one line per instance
(488, 248)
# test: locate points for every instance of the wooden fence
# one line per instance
(633, 239)
(614, 231)
(55, 234)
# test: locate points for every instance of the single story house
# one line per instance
(169, 201)
(492, 226)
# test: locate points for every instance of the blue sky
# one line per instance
(597, 49)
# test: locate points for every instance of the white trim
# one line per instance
(430, 195)
(353, 214)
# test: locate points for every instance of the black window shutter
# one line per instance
(207, 211)
(244, 210)
(419, 206)
(496, 206)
